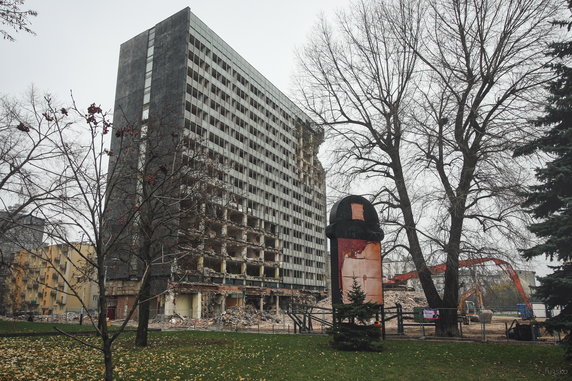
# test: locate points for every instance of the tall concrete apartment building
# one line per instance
(261, 240)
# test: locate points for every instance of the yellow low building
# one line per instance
(53, 280)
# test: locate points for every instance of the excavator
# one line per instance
(467, 309)
(401, 279)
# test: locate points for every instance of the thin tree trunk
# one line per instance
(102, 321)
(143, 313)
(107, 358)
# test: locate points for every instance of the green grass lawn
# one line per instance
(193, 355)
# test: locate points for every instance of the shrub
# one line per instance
(352, 330)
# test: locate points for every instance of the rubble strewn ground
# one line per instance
(251, 318)
(246, 316)
(241, 317)
(407, 299)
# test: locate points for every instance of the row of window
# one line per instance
(302, 275)
(221, 110)
(253, 189)
(302, 249)
(215, 122)
(201, 50)
(267, 111)
(300, 261)
(226, 85)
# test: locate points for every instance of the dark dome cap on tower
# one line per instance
(354, 217)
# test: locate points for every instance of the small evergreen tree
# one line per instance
(351, 330)
(551, 200)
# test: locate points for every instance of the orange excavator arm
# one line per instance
(505, 266)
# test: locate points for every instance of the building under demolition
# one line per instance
(257, 235)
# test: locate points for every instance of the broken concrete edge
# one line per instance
(202, 300)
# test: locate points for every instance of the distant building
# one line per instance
(38, 282)
(18, 231)
(260, 239)
(393, 267)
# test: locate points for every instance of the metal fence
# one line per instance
(503, 325)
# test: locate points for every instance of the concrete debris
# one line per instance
(246, 316)
(175, 319)
(407, 299)
(305, 299)
(208, 271)
(236, 316)
(325, 303)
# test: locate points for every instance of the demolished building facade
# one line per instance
(258, 238)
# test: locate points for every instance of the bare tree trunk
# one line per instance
(415, 250)
(107, 357)
(447, 323)
(143, 314)
(102, 321)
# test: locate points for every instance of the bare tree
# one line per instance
(77, 214)
(160, 181)
(28, 147)
(28, 154)
(73, 181)
(14, 18)
(426, 99)
(74, 211)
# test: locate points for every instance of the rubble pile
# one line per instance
(407, 299)
(177, 321)
(325, 303)
(174, 319)
(246, 316)
(304, 299)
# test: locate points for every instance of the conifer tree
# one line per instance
(551, 200)
(352, 329)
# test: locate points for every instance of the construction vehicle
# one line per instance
(467, 310)
(401, 279)
(521, 331)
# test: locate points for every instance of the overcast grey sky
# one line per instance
(77, 42)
